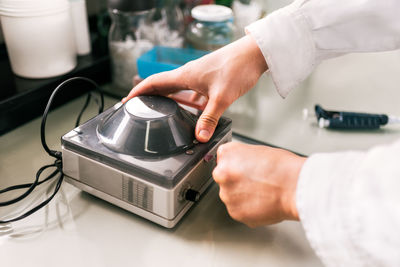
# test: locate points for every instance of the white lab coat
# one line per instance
(348, 202)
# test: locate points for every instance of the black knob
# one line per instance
(192, 195)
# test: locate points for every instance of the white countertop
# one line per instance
(357, 82)
(77, 229)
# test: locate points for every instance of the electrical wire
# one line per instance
(53, 153)
(78, 120)
(21, 186)
(30, 189)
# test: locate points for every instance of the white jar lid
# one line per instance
(212, 13)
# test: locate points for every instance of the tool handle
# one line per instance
(350, 120)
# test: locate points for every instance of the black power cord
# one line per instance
(53, 153)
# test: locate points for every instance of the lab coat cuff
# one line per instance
(285, 41)
(323, 196)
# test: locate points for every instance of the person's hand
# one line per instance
(221, 77)
(258, 183)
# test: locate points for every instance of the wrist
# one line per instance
(247, 51)
(255, 55)
(288, 200)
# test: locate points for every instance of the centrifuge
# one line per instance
(143, 157)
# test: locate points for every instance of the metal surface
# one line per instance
(157, 204)
(161, 205)
(166, 171)
(136, 156)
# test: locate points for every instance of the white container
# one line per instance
(39, 37)
(80, 26)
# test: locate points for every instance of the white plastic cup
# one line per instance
(39, 37)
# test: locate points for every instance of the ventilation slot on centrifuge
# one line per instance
(137, 193)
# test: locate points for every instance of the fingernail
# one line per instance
(204, 134)
(123, 99)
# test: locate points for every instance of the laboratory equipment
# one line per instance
(349, 120)
(143, 157)
(212, 27)
(56, 166)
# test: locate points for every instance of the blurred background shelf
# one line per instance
(22, 100)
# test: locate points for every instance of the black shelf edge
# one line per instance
(28, 97)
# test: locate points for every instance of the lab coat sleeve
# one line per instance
(298, 37)
(348, 204)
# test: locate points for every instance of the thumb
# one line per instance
(208, 120)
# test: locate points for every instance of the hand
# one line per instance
(258, 183)
(221, 77)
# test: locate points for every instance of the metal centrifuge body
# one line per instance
(142, 156)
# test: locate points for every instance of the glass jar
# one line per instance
(245, 13)
(131, 35)
(212, 27)
(169, 24)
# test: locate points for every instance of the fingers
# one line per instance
(162, 83)
(195, 97)
(231, 194)
(185, 97)
(221, 176)
(224, 173)
(209, 119)
(231, 190)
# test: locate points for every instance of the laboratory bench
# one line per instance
(77, 229)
